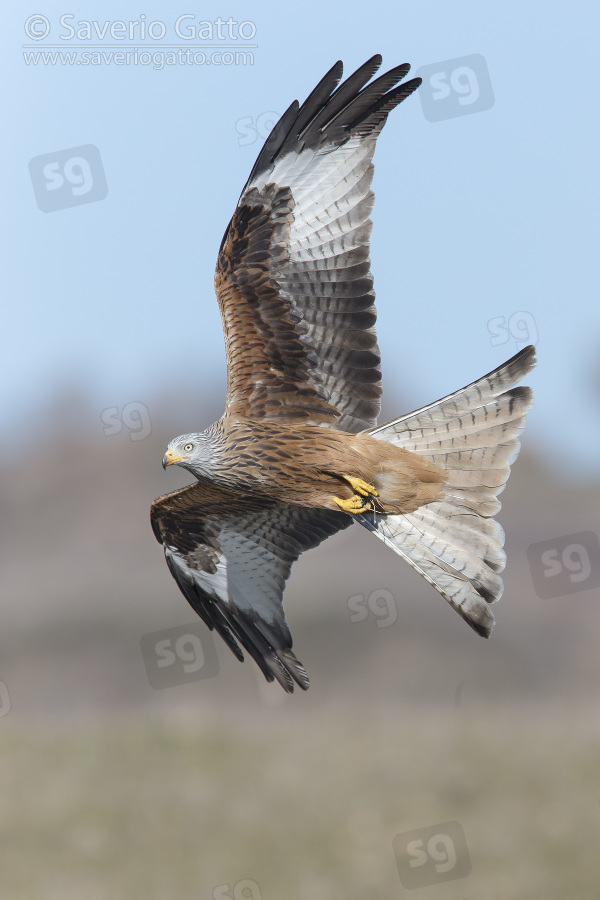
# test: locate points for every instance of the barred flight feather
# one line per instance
(473, 435)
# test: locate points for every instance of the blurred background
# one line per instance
(139, 758)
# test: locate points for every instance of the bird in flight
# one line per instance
(297, 455)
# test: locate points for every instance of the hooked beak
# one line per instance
(169, 458)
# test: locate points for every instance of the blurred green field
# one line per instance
(304, 805)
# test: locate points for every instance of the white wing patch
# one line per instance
(328, 187)
(213, 584)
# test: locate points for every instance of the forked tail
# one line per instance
(454, 543)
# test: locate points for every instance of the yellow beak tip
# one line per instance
(169, 459)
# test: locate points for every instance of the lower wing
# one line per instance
(231, 556)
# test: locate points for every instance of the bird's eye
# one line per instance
(188, 447)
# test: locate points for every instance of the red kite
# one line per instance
(297, 455)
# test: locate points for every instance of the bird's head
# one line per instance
(190, 451)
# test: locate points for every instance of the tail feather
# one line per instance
(454, 543)
(478, 498)
(474, 396)
(470, 602)
(479, 428)
(452, 527)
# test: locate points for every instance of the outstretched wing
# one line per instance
(231, 557)
(293, 275)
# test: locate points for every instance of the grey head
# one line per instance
(193, 452)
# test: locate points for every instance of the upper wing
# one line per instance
(293, 278)
(231, 557)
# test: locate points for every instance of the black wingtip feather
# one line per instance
(274, 662)
(273, 144)
(330, 113)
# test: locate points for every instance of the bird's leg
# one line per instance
(361, 501)
(354, 505)
(360, 487)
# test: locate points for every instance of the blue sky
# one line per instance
(484, 217)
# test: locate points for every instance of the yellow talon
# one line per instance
(361, 487)
(354, 505)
